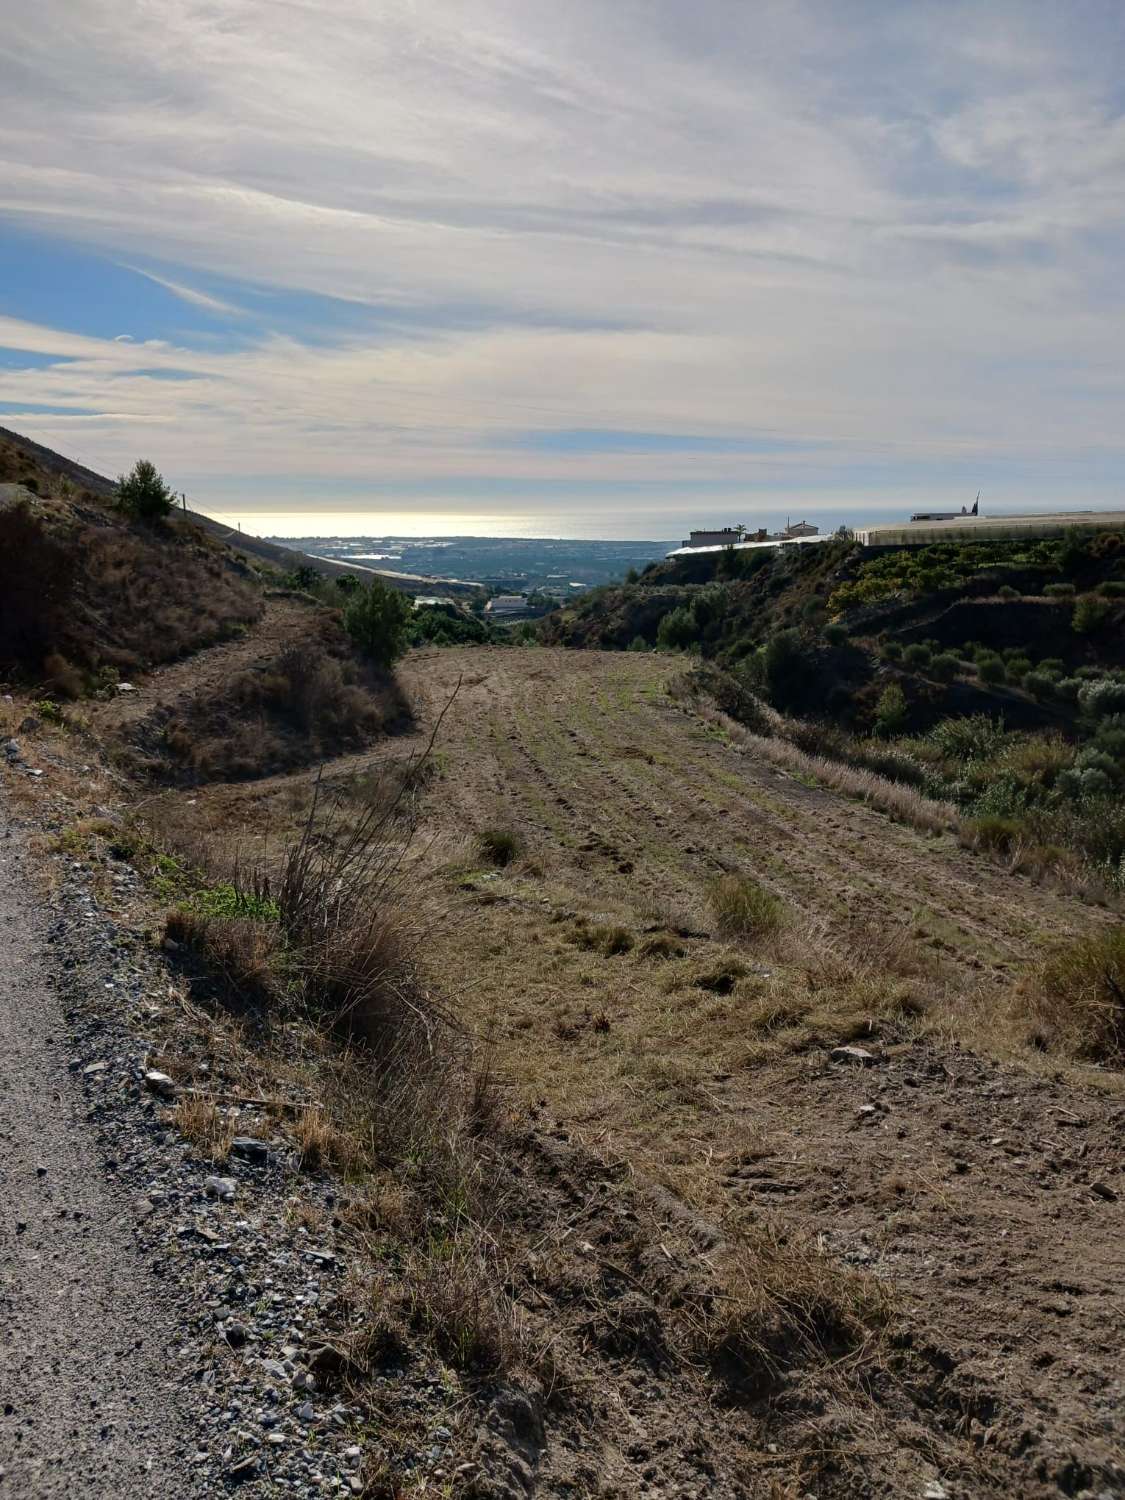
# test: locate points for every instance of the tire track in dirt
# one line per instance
(686, 805)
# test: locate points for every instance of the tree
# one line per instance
(347, 583)
(376, 618)
(143, 493)
(890, 712)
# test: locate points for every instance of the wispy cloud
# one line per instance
(191, 295)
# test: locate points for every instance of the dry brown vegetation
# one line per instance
(82, 592)
(311, 703)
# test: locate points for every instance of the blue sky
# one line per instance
(629, 268)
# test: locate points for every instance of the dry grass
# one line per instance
(311, 703)
(743, 909)
(201, 1121)
(1074, 1003)
(781, 1302)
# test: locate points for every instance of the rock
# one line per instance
(858, 1055)
(866, 1111)
(159, 1083)
(235, 1335)
(934, 1490)
(321, 1257)
(1103, 1190)
(126, 687)
(250, 1149)
(245, 1468)
(306, 1412)
(30, 725)
(12, 749)
(95, 1067)
(221, 1187)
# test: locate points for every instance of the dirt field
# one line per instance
(977, 1181)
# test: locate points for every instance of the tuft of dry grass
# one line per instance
(744, 909)
(201, 1121)
(498, 846)
(781, 1301)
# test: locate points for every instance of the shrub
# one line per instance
(1006, 591)
(991, 668)
(1054, 666)
(376, 618)
(892, 651)
(890, 712)
(977, 737)
(1100, 699)
(678, 630)
(498, 846)
(142, 492)
(1059, 590)
(743, 908)
(916, 655)
(1079, 994)
(1093, 759)
(1090, 614)
(638, 643)
(1113, 588)
(1039, 684)
(1111, 740)
(835, 634)
(945, 666)
(993, 832)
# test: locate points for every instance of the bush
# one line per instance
(892, 651)
(1079, 994)
(993, 832)
(1090, 614)
(916, 655)
(1113, 588)
(638, 643)
(991, 668)
(1059, 590)
(1100, 699)
(743, 908)
(890, 712)
(678, 630)
(142, 492)
(376, 618)
(945, 666)
(835, 634)
(974, 738)
(1039, 685)
(498, 846)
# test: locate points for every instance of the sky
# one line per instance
(523, 267)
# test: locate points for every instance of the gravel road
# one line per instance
(89, 1406)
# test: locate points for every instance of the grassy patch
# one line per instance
(744, 909)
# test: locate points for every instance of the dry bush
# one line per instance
(1075, 1001)
(243, 954)
(744, 909)
(312, 703)
(322, 1143)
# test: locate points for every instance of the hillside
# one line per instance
(520, 1077)
(50, 474)
(988, 674)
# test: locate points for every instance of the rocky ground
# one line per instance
(163, 1316)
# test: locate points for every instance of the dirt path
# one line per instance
(84, 1349)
